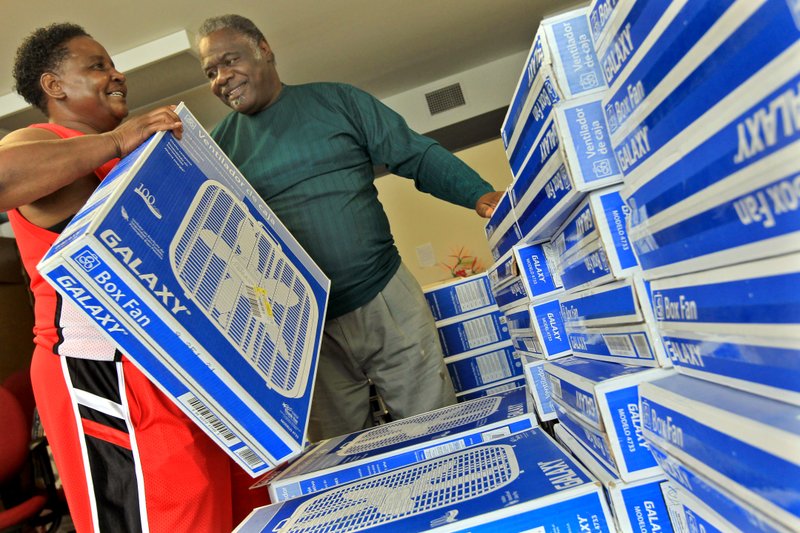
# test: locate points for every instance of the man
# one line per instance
(309, 150)
(128, 458)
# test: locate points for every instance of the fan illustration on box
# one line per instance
(236, 272)
(420, 488)
(422, 424)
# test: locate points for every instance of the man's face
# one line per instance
(94, 90)
(241, 74)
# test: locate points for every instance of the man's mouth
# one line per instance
(119, 94)
(235, 93)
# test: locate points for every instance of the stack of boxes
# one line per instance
(474, 336)
(522, 482)
(702, 109)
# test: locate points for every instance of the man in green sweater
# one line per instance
(309, 150)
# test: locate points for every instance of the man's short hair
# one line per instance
(42, 51)
(237, 23)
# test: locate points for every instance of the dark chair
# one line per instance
(30, 501)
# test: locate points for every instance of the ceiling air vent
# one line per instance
(445, 98)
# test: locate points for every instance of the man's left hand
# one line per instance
(487, 203)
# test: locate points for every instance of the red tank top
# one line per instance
(33, 242)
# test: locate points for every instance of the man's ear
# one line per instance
(51, 85)
(263, 45)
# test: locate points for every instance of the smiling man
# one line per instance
(309, 150)
(128, 458)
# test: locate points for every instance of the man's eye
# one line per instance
(211, 74)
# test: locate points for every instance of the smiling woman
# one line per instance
(106, 423)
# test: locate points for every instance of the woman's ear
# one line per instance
(51, 85)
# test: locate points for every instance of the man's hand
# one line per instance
(487, 203)
(133, 132)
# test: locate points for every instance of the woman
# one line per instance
(129, 459)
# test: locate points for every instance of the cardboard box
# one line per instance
(186, 269)
(539, 389)
(501, 218)
(767, 367)
(459, 296)
(743, 442)
(748, 215)
(601, 12)
(562, 58)
(528, 344)
(388, 447)
(549, 327)
(511, 294)
(503, 271)
(598, 223)
(575, 138)
(471, 370)
(646, 505)
(605, 396)
(748, 53)
(536, 269)
(622, 302)
(635, 344)
(490, 390)
(521, 482)
(758, 299)
(718, 502)
(595, 440)
(472, 331)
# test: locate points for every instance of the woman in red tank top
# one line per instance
(128, 458)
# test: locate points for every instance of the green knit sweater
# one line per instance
(311, 154)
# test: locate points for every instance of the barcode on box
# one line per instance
(209, 419)
(619, 345)
(249, 456)
(555, 386)
(642, 345)
(495, 434)
(444, 449)
(493, 366)
(480, 331)
(472, 295)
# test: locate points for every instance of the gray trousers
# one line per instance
(392, 341)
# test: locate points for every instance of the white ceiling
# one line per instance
(383, 46)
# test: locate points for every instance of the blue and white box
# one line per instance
(647, 505)
(523, 482)
(472, 331)
(758, 298)
(511, 294)
(561, 64)
(549, 327)
(763, 366)
(501, 218)
(632, 344)
(404, 442)
(592, 245)
(186, 269)
(621, 302)
(539, 389)
(503, 271)
(535, 263)
(748, 53)
(479, 368)
(601, 12)
(594, 439)
(748, 444)
(605, 396)
(490, 390)
(528, 345)
(737, 514)
(572, 157)
(459, 296)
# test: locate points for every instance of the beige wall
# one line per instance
(418, 218)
